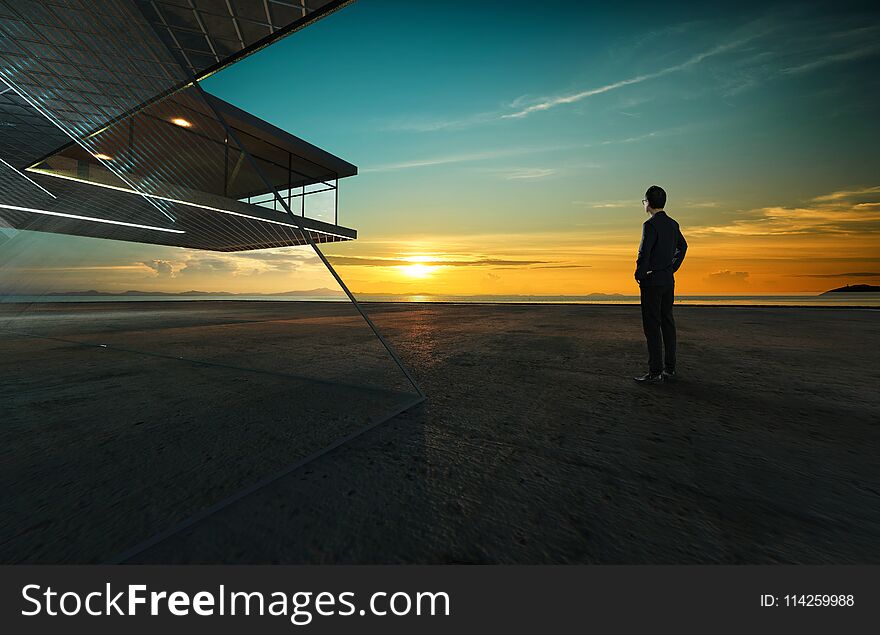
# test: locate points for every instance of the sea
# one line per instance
(861, 300)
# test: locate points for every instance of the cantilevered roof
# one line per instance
(103, 125)
(25, 134)
(200, 155)
(208, 34)
(37, 201)
(87, 63)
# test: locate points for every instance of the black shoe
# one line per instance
(669, 374)
(649, 378)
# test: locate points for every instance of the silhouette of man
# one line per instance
(661, 253)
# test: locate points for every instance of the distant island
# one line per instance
(856, 288)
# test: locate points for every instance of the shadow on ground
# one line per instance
(120, 421)
(536, 447)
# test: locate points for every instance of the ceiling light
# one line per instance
(103, 157)
(183, 123)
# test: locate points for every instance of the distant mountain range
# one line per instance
(320, 292)
(856, 288)
(323, 291)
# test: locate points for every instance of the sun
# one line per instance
(416, 270)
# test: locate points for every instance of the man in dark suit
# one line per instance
(661, 253)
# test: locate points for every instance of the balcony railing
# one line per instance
(319, 201)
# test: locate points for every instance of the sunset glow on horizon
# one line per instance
(488, 169)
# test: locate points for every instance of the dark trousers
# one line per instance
(659, 325)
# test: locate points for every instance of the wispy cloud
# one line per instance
(410, 123)
(847, 194)
(841, 212)
(83, 268)
(765, 49)
(642, 137)
(571, 98)
(529, 174)
(856, 274)
(522, 107)
(606, 204)
(727, 280)
(727, 274)
(522, 173)
(365, 261)
(240, 264)
(569, 266)
(802, 44)
(465, 157)
(209, 265)
(162, 268)
(702, 204)
(833, 58)
(505, 153)
(785, 43)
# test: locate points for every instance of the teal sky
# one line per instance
(506, 149)
(752, 106)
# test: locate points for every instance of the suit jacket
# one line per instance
(661, 251)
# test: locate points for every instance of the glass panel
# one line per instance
(163, 345)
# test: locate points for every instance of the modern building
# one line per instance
(129, 421)
(105, 131)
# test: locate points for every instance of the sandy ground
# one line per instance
(535, 445)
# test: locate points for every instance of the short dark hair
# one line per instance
(656, 196)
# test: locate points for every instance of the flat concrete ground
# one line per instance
(536, 446)
(118, 421)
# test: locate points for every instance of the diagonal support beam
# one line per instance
(256, 167)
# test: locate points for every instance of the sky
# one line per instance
(505, 147)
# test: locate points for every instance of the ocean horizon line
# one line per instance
(330, 293)
(870, 300)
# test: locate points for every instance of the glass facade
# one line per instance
(127, 413)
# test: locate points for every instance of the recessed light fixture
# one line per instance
(183, 123)
(103, 157)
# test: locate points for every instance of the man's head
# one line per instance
(655, 199)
